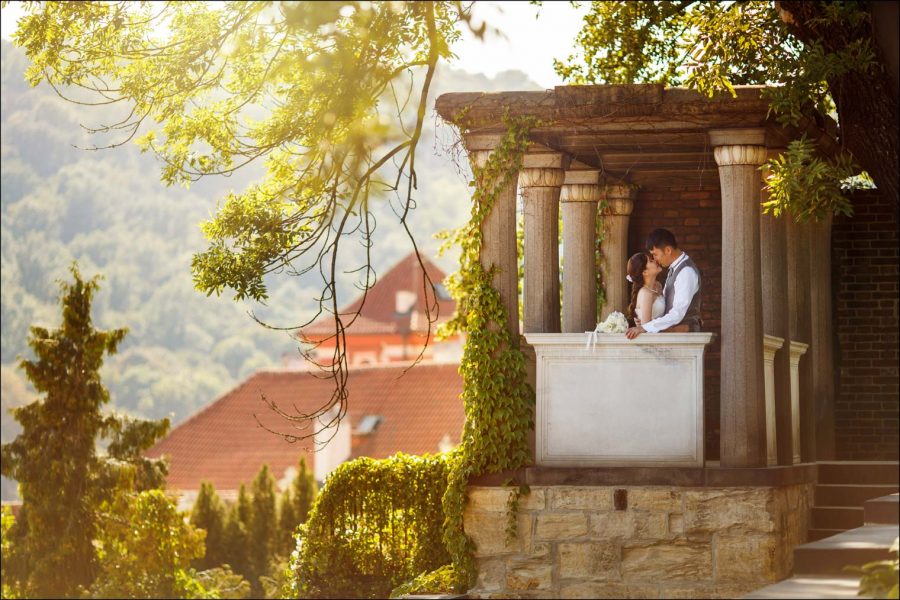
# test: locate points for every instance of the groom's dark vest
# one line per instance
(692, 316)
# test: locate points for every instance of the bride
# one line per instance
(647, 301)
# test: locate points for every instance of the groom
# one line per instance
(682, 289)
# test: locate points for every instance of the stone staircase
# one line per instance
(843, 533)
(842, 490)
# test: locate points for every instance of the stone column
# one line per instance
(800, 327)
(541, 179)
(821, 342)
(498, 246)
(619, 202)
(578, 201)
(743, 417)
(771, 346)
(797, 350)
(773, 265)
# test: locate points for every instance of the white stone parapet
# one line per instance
(619, 402)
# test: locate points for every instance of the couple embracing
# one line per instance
(673, 307)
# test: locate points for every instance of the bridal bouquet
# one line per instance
(614, 323)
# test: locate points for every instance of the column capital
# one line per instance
(772, 344)
(581, 192)
(619, 199)
(727, 156)
(543, 169)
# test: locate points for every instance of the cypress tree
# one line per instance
(62, 479)
(287, 523)
(234, 542)
(209, 514)
(262, 526)
(305, 491)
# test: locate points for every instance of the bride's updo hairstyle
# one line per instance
(635, 269)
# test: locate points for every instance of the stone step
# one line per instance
(837, 517)
(815, 535)
(852, 494)
(875, 472)
(883, 510)
(856, 547)
(810, 587)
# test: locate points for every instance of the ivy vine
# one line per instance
(498, 402)
(373, 525)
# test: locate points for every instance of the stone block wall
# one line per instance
(667, 542)
(694, 215)
(865, 261)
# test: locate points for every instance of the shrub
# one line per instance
(375, 525)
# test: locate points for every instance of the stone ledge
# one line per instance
(636, 476)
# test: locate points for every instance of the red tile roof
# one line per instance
(224, 444)
(378, 313)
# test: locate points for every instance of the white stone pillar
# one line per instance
(771, 345)
(739, 153)
(498, 246)
(821, 342)
(798, 349)
(619, 202)
(578, 201)
(541, 179)
(773, 253)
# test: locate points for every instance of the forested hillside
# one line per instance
(108, 210)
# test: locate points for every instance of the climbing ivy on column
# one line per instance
(498, 402)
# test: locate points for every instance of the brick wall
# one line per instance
(694, 215)
(865, 279)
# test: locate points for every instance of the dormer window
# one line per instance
(368, 424)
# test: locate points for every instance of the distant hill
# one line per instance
(108, 210)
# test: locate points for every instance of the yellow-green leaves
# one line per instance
(375, 525)
(806, 185)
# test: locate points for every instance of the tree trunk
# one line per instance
(866, 101)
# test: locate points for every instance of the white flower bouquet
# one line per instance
(614, 323)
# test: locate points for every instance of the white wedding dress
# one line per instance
(658, 308)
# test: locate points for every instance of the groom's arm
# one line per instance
(686, 286)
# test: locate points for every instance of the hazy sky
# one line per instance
(529, 45)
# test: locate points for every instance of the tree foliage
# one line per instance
(263, 527)
(145, 549)
(209, 515)
(316, 91)
(814, 56)
(62, 478)
(375, 525)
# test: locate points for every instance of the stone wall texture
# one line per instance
(866, 285)
(668, 542)
(694, 215)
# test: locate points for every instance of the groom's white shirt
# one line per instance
(686, 286)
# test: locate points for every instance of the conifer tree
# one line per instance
(62, 479)
(209, 514)
(305, 490)
(234, 538)
(287, 522)
(262, 526)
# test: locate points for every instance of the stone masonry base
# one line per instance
(645, 542)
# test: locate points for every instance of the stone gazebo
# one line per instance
(676, 465)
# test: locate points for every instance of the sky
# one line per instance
(527, 44)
